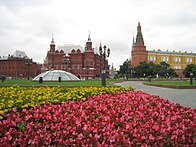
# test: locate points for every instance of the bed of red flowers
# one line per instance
(130, 118)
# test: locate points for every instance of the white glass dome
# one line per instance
(53, 75)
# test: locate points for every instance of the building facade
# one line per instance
(85, 65)
(19, 66)
(176, 60)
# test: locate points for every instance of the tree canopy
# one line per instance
(146, 69)
(190, 68)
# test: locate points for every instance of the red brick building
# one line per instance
(85, 65)
(18, 66)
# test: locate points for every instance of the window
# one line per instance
(189, 60)
(167, 59)
(177, 59)
(164, 58)
(151, 58)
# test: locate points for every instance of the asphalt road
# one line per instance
(185, 97)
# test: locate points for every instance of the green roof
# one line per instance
(171, 52)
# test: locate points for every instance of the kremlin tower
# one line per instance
(139, 52)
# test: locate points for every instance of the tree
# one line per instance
(151, 70)
(171, 73)
(145, 69)
(164, 65)
(124, 69)
(190, 68)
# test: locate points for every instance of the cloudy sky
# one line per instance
(28, 25)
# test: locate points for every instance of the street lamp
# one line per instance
(127, 68)
(191, 78)
(103, 55)
(28, 63)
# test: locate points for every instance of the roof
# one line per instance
(53, 75)
(171, 52)
(3, 57)
(16, 54)
(20, 54)
(67, 48)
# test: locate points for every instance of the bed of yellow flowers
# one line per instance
(20, 97)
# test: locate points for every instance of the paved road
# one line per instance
(185, 97)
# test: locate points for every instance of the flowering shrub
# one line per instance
(18, 97)
(130, 118)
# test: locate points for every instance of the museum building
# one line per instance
(84, 64)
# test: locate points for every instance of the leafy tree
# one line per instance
(124, 69)
(146, 69)
(171, 73)
(164, 65)
(190, 68)
(151, 69)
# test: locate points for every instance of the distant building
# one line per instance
(84, 64)
(176, 60)
(112, 72)
(19, 66)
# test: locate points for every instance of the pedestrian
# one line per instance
(3, 78)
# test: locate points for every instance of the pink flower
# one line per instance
(125, 119)
(151, 137)
(97, 137)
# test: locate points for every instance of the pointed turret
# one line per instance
(139, 52)
(88, 46)
(100, 49)
(89, 38)
(139, 37)
(138, 27)
(133, 42)
(52, 44)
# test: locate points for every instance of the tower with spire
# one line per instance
(88, 46)
(139, 52)
(52, 44)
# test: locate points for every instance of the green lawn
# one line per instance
(72, 83)
(175, 83)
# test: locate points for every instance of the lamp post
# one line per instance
(103, 55)
(191, 78)
(28, 63)
(127, 68)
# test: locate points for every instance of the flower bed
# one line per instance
(29, 97)
(130, 118)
